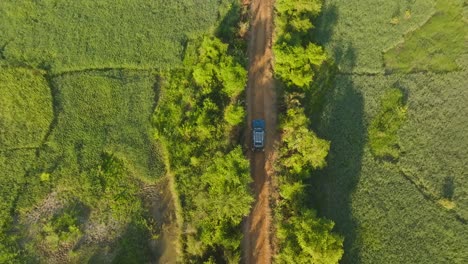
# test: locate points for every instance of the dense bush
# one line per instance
(301, 148)
(303, 236)
(383, 137)
(308, 239)
(296, 57)
(212, 185)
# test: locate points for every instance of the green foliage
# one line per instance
(303, 237)
(435, 46)
(301, 148)
(383, 138)
(214, 69)
(62, 229)
(76, 35)
(25, 108)
(225, 199)
(234, 114)
(295, 57)
(213, 186)
(295, 64)
(308, 239)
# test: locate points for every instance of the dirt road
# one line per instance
(261, 104)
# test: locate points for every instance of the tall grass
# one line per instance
(25, 108)
(436, 46)
(357, 32)
(75, 35)
(410, 210)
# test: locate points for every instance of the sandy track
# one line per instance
(261, 104)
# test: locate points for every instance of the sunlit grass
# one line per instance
(435, 46)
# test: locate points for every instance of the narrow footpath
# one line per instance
(261, 104)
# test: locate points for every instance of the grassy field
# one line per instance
(83, 184)
(436, 46)
(412, 209)
(82, 178)
(74, 35)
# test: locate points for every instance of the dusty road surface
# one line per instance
(261, 104)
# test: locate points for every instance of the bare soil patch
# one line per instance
(261, 104)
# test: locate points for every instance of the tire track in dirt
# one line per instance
(261, 104)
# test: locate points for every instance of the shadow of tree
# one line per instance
(335, 107)
(325, 23)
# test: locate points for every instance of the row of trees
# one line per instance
(303, 236)
(198, 111)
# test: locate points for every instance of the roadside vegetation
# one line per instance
(303, 236)
(197, 122)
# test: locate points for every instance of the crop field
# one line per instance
(411, 208)
(82, 177)
(64, 36)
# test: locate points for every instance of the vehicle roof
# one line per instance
(258, 123)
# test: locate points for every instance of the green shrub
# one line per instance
(306, 238)
(213, 186)
(295, 65)
(301, 148)
(296, 58)
(383, 138)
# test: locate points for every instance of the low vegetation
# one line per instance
(399, 211)
(63, 36)
(98, 154)
(436, 46)
(25, 108)
(383, 137)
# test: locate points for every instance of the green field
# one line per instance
(64, 36)
(83, 178)
(413, 207)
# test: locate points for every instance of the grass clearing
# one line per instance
(436, 46)
(25, 108)
(356, 32)
(383, 129)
